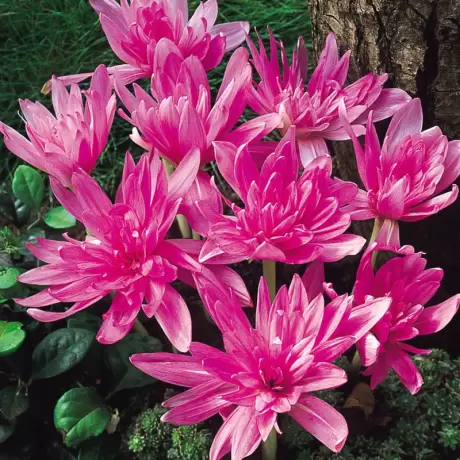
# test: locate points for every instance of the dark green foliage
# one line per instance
(148, 437)
(424, 426)
(9, 244)
(45, 37)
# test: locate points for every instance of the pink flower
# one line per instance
(74, 137)
(314, 109)
(286, 218)
(180, 115)
(127, 253)
(267, 370)
(405, 281)
(134, 29)
(403, 177)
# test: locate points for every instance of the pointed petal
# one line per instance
(322, 421)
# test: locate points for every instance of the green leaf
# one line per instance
(6, 429)
(8, 277)
(13, 402)
(11, 337)
(59, 218)
(124, 374)
(22, 212)
(80, 414)
(85, 320)
(103, 447)
(60, 351)
(28, 186)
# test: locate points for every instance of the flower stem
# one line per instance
(375, 233)
(269, 271)
(139, 328)
(181, 220)
(195, 235)
(269, 446)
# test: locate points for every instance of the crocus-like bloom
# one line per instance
(74, 137)
(180, 115)
(403, 177)
(314, 109)
(405, 281)
(286, 218)
(134, 28)
(127, 252)
(266, 371)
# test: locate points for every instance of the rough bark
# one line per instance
(417, 42)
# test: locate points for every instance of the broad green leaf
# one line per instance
(124, 374)
(84, 320)
(6, 429)
(8, 277)
(11, 337)
(59, 218)
(28, 186)
(13, 402)
(103, 447)
(60, 351)
(80, 414)
(22, 212)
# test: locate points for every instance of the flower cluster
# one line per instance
(287, 207)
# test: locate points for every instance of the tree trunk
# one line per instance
(417, 42)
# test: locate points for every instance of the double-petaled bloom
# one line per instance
(180, 114)
(313, 109)
(127, 252)
(74, 137)
(404, 177)
(285, 217)
(134, 28)
(404, 281)
(265, 371)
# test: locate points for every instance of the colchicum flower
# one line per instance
(180, 116)
(74, 137)
(265, 371)
(286, 218)
(314, 109)
(126, 253)
(134, 28)
(403, 177)
(403, 280)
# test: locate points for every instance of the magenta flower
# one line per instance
(180, 116)
(403, 177)
(127, 253)
(286, 218)
(314, 109)
(266, 371)
(405, 281)
(74, 137)
(134, 29)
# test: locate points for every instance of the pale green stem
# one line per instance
(269, 446)
(375, 232)
(195, 235)
(269, 271)
(139, 328)
(181, 220)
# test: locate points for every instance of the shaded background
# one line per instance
(39, 38)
